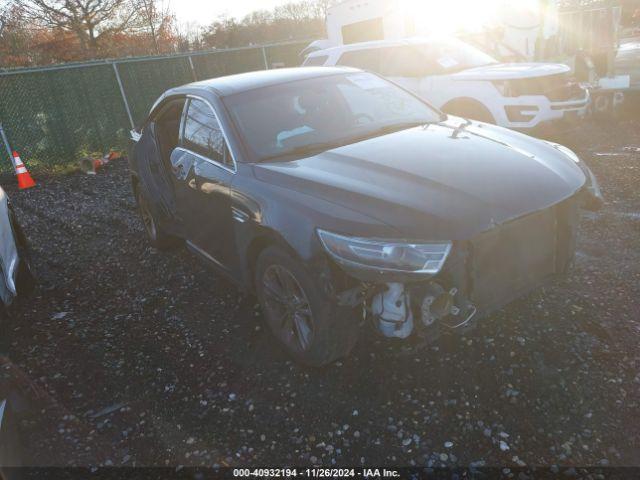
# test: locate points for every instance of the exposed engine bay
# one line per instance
(400, 310)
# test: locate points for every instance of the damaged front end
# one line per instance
(425, 308)
(431, 289)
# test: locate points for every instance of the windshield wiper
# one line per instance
(460, 128)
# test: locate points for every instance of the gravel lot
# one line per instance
(189, 375)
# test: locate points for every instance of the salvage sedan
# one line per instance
(330, 192)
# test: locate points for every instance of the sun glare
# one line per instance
(437, 17)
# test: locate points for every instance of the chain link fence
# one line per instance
(55, 115)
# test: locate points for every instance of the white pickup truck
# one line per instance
(462, 80)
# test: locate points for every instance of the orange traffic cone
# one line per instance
(24, 179)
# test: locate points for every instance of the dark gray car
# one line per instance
(329, 192)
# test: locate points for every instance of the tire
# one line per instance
(300, 306)
(155, 233)
(469, 109)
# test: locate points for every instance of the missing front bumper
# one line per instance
(482, 275)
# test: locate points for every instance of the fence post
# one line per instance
(7, 146)
(124, 96)
(264, 57)
(193, 70)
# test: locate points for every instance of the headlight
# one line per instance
(382, 255)
(567, 151)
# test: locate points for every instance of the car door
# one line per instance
(153, 174)
(203, 169)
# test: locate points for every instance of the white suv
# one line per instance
(464, 81)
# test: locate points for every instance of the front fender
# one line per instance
(274, 214)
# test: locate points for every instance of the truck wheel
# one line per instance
(157, 236)
(469, 109)
(310, 326)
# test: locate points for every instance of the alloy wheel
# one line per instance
(287, 308)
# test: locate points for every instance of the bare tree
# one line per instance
(89, 20)
(320, 8)
(258, 17)
(5, 8)
(188, 35)
(295, 11)
(154, 15)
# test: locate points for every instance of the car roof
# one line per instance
(242, 82)
(374, 44)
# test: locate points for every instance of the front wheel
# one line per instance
(310, 326)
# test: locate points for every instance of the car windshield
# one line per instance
(453, 55)
(308, 116)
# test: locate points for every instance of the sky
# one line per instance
(206, 11)
(436, 16)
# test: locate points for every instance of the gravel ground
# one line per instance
(145, 358)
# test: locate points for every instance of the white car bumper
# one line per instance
(529, 112)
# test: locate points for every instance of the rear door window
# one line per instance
(167, 122)
(368, 59)
(203, 134)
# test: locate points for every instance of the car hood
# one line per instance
(509, 71)
(427, 183)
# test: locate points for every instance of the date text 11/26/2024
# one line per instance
(315, 472)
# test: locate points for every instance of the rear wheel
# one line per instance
(310, 326)
(157, 236)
